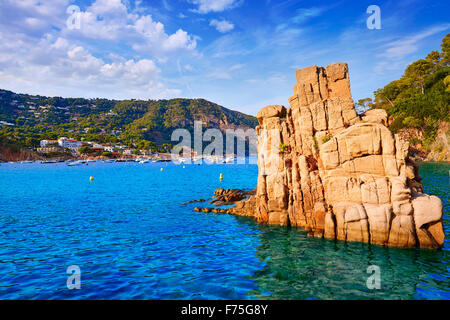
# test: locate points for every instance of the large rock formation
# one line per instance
(337, 174)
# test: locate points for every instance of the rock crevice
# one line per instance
(337, 174)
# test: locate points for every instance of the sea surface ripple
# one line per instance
(132, 239)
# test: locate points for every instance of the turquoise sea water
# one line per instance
(132, 239)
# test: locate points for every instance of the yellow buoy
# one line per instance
(91, 178)
(162, 169)
(184, 167)
(221, 177)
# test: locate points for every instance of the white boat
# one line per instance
(144, 161)
(48, 162)
(181, 161)
(229, 159)
(75, 163)
(214, 159)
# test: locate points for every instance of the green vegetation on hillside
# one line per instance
(421, 97)
(145, 125)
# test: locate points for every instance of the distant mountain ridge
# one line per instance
(27, 119)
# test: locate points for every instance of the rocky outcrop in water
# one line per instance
(223, 197)
(230, 196)
(337, 174)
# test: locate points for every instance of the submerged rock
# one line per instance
(208, 210)
(229, 196)
(226, 197)
(338, 175)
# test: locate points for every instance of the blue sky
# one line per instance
(241, 54)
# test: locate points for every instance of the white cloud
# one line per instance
(188, 67)
(305, 14)
(224, 73)
(236, 67)
(166, 5)
(230, 45)
(271, 79)
(108, 8)
(222, 26)
(32, 17)
(39, 54)
(395, 54)
(110, 20)
(179, 40)
(205, 6)
(52, 66)
(104, 20)
(401, 48)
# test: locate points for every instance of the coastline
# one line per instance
(164, 157)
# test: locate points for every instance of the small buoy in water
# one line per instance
(184, 167)
(162, 169)
(91, 178)
(221, 177)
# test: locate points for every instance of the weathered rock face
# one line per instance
(440, 150)
(13, 154)
(339, 175)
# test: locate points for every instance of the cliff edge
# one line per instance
(339, 175)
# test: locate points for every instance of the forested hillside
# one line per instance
(419, 101)
(146, 125)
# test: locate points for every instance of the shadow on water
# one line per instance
(298, 267)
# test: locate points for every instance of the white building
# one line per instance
(96, 145)
(128, 151)
(44, 143)
(71, 144)
(48, 149)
